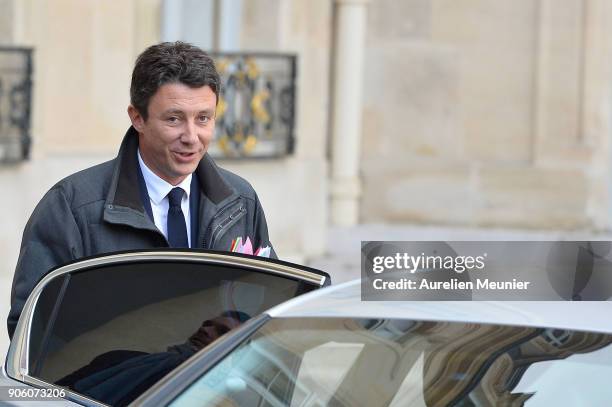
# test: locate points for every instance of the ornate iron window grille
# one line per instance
(256, 109)
(15, 103)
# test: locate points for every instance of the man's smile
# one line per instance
(184, 156)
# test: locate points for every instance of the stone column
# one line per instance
(349, 24)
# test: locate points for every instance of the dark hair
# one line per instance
(171, 62)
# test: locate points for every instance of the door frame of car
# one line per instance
(17, 362)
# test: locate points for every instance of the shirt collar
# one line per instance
(158, 188)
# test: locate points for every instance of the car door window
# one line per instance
(111, 332)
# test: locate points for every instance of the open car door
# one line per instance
(107, 328)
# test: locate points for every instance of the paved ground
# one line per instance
(343, 260)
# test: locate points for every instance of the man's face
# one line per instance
(178, 130)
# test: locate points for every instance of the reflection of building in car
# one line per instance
(331, 348)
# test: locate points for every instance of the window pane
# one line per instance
(119, 329)
(15, 103)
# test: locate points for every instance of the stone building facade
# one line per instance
(478, 113)
(488, 113)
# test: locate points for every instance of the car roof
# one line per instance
(344, 300)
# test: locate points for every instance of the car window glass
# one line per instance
(324, 368)
(410, 391)
(556, 382)
(400, 362)
(118, 329)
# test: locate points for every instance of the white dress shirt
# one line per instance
(158, 190)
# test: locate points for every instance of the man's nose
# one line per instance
(190, 133)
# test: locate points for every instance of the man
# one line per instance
(161, 190)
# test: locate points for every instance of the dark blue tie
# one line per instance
(177, 231)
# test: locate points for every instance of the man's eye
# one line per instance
(172, 119)
(204, 119)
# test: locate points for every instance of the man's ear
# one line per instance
(136, 118)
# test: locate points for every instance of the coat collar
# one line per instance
(124, 191)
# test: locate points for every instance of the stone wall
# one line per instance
(6, 22)
(487, 113)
